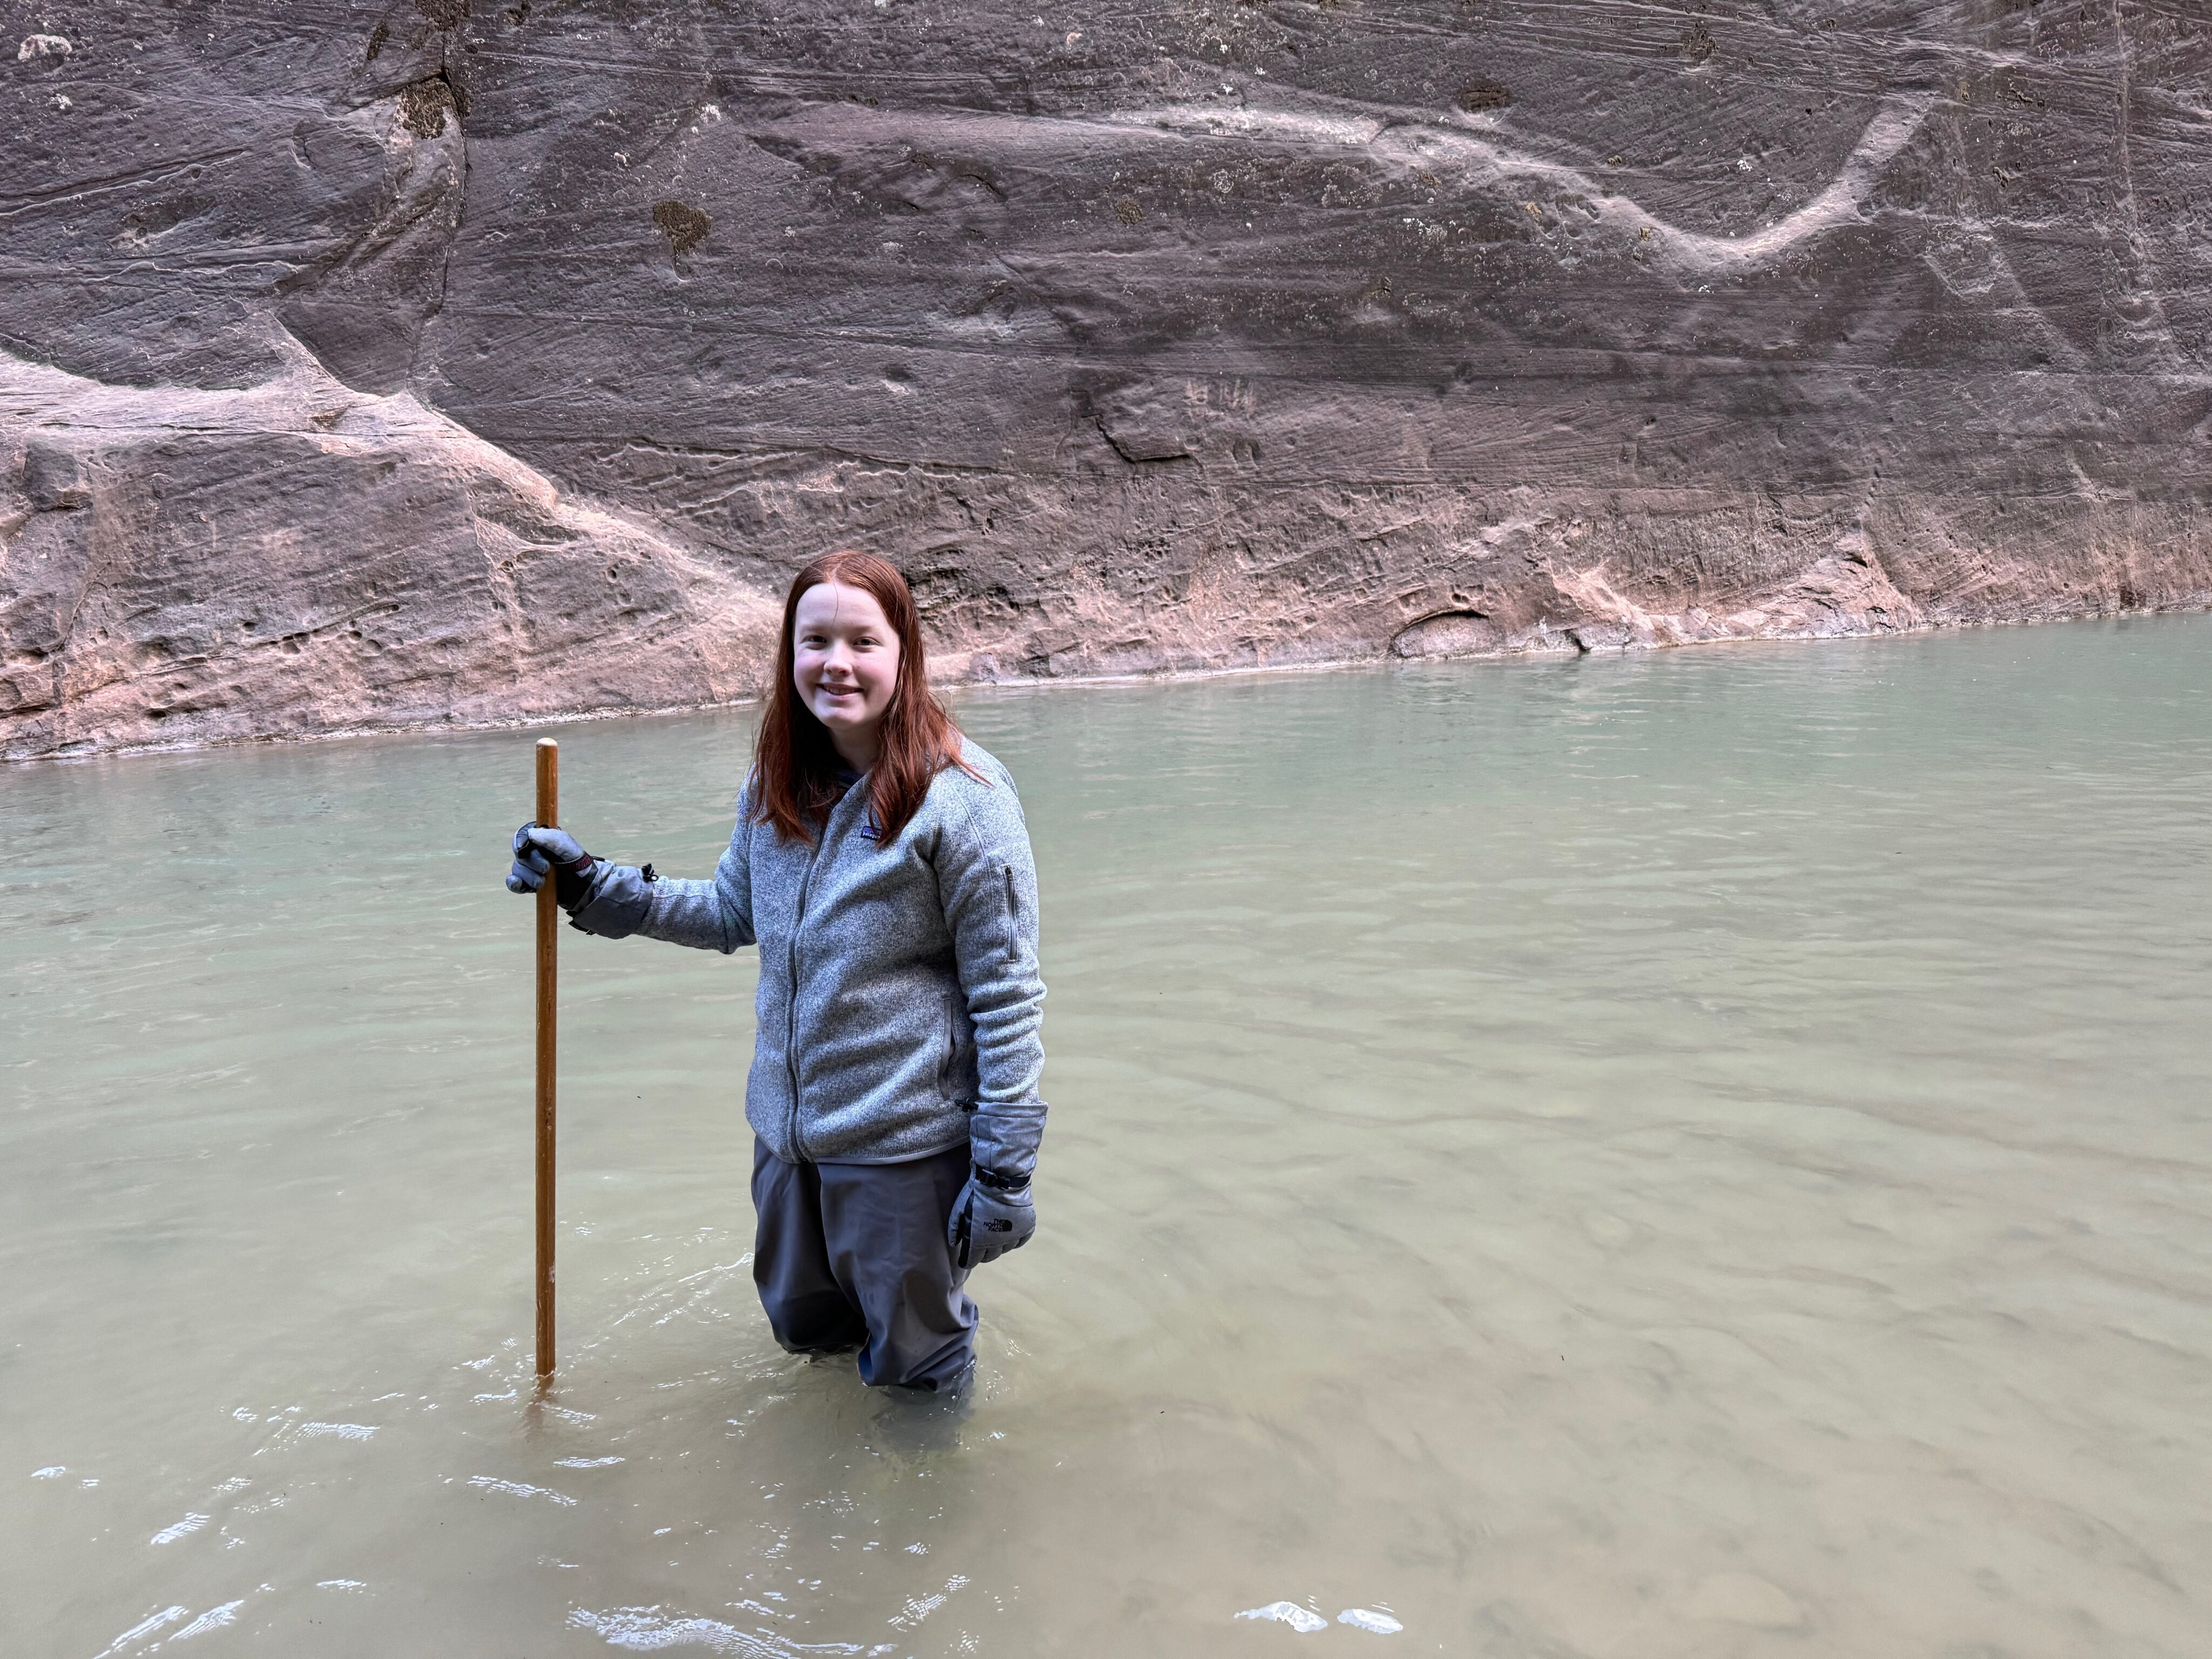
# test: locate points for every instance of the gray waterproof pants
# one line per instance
(853, 1255)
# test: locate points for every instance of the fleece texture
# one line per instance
(900, 1006)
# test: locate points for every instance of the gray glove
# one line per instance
(994, 1215)
(539, 851)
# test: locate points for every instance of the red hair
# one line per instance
(794, 762)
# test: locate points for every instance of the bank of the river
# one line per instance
(958, 672)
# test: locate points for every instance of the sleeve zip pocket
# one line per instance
(952, 1048)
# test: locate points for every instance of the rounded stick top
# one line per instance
(549, 782)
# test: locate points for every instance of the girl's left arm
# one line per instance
(987, 880)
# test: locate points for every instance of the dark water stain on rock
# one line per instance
(1477, 96)
(423, 105)
(684, 224)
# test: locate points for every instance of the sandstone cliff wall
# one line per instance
(453, 360)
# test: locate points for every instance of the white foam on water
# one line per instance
(51, 1471)
(917, 1608)
(647, 1630)
(184, 1528)
(1367, 1618)
(587, 1462)
(341, 1583)
(213, 1618)
(516, 1489)
(145, 1627)
(343, 1430)
(1303, 1620)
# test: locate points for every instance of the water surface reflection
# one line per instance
(1692, 1156)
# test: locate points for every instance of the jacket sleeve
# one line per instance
(707, 915)
(987, 880)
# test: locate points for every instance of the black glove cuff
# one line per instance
(572, 882)
(997, 1182)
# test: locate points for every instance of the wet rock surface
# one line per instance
(503, 359)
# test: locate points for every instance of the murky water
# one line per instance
(1703, 1155)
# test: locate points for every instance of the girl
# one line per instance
(881, 863)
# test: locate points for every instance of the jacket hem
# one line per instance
(870, 1157)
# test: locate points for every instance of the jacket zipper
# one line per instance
(790, 1004)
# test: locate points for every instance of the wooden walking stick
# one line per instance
(549, 938)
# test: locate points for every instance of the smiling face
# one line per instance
(845, 666)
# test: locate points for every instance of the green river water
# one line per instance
(1697, 1155)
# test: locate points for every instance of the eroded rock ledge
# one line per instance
(444, 362)
(189, 565)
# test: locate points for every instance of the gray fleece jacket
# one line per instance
(900, 1005)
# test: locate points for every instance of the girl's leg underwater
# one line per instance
(807, 1309)
(855, 1254)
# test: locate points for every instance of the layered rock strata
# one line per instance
(443, 361)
